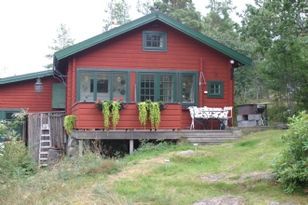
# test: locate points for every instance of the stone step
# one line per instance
(210, 139)
(207, 131)
(217, 135)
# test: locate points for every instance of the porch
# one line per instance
(191, 136)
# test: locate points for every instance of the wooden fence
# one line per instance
(57, 133)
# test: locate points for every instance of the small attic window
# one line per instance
(154, 41)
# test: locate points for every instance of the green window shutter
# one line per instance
(58, 96)
(215, 89)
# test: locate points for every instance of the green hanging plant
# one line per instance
(154, 109)
(106, 113)
(143, 113)
(69, 123)
(115, 113)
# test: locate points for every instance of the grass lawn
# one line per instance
(159, 175)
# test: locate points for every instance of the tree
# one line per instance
(219, 25)
(279, 28)
(116, 14)
(145, 6)
(182, 10)
(62, 40)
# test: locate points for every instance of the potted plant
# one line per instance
(106, 106)
(69, 123)
(154, 111)
(110, 109)
(143, 113)
(149, 110)
(115, 112)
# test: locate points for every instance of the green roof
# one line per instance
(28, 76)
(64, 53)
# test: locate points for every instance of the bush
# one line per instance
(15, 161)
(278, 113)
(292, 166)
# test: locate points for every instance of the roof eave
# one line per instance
(24, 77)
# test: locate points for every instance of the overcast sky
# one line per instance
(28, 27)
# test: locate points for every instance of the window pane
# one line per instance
(102, 86)
(166, 88)
(215, 89)
(119, 86)
(146, 87)
(9, 115)
(86, 87)
(154, 40)
(188, 94)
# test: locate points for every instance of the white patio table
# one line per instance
(222, 114)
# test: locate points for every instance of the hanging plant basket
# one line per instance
(150, 111)
(162, 106)
(110, 110)
(99, 105)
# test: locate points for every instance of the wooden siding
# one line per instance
(126, 52)
(89, 117)
(22, 95)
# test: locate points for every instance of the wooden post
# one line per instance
(80, 147)
(131, 146)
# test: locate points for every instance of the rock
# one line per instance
(186, 153)
(278, 203)
(213, 178)
(222, 200)
(72, 147)
(258, 176)
(54, 155)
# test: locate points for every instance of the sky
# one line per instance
(27, 28)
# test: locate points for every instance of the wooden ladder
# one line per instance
(45, 140)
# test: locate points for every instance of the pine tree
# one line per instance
(182, 10)
(61, 41)
(116, 14)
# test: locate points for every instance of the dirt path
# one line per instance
(141, 168)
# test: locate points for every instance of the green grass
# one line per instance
(158, 175)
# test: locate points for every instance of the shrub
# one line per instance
(278, 113)
(292, 166)
(15, 161)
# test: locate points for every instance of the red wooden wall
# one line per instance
(126, 52)
(22, 95)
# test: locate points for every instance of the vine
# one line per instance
(115, 113)
(69, 123)
(154, 110)
(143, 113)
(149, 110)
(106, 113)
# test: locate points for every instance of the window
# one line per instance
(102, 85)
(168, 87)
(7, 114)
(157, 87)
(154, 40)
(188, 88)
(147, 87)
(215, 89)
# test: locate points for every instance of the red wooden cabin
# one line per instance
(153, 57)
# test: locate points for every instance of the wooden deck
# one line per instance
(194, 136)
